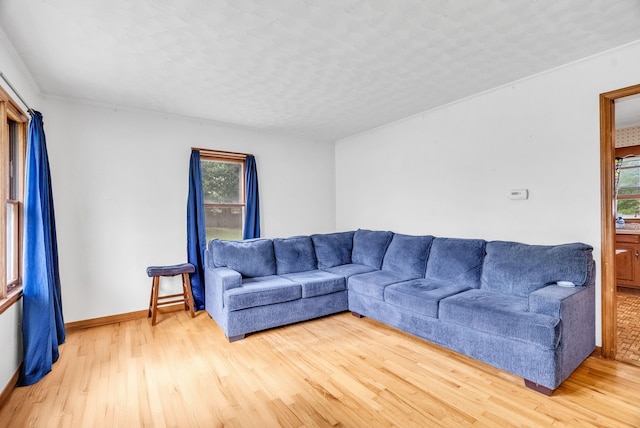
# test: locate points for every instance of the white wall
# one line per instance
(120, 183)
(447, 172)
(11, 339)
(14, 69)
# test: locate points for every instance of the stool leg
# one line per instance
(185, 296)
(153, 286)
(188, 295)
(156, 285)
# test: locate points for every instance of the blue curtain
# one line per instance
(196, 235)
(252, 218)
(42, 322)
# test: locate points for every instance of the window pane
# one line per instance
(13, 159)
(223, 222)
(11, 241)
(629, 184)
(629, 180)
(628, 208)
(629, 191)
(222, 182)
(631, 161)
(222, 186)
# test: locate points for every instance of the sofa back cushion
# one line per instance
(369, 247)
(407, 255)
(333, 249)
(295, 254)
(456, 261)
(518, 269)
(252, 258)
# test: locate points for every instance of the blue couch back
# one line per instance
(333, 249)
(456, 261)
(252, 258)
(369, 247)
(518, 269)
(498, 266)
(407, 255)
(295, 254)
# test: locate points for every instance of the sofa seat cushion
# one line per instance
(372, 284)
(501, 314)
(349, 269)
(420, 295)
(261, 291)
(317, 282)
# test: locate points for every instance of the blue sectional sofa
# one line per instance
(526, 309)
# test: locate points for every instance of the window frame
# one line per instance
(229, 157)
(11, 291)
(625, 153)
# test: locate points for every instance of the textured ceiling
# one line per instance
(322, 69)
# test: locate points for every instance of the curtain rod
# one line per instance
(222, 152)
(29, 109)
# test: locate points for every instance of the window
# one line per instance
(628, 195)
(12, 153)
(224, 200)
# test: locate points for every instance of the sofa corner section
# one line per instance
(484, 268)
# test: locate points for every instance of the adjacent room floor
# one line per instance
(628, 326)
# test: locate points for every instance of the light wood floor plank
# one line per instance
(335, 371)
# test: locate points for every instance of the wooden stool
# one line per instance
(185, 297)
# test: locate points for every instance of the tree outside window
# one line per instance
(628, 192)
(224, 201)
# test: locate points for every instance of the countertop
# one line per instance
(627, 232)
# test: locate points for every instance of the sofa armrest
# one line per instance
(217, 281)
(575, 307)
(549, 300)
(225, 278)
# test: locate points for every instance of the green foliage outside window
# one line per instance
(629, 185)
(222, 183)
(629, 208)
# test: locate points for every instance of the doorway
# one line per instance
(608, 211)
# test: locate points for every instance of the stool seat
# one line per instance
(171, 270)
(185, 298)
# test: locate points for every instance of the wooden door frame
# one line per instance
(608, 233)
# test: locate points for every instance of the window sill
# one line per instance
(13, 296)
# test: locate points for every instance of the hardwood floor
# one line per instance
(335, 371)
(628, 302)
